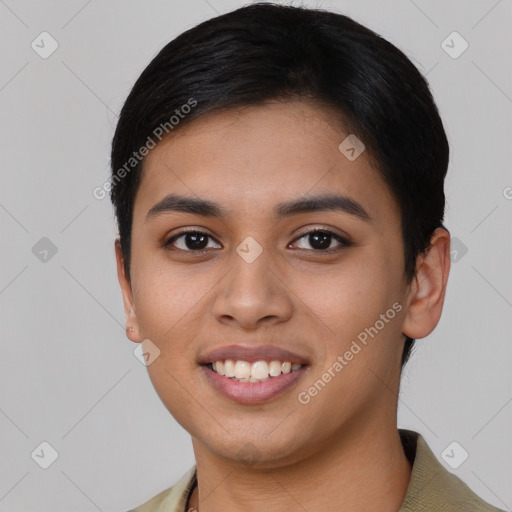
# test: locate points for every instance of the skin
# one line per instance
(343, 446)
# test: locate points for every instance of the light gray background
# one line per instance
(68, 375)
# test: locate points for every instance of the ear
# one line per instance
(427, 290)
(132, 325)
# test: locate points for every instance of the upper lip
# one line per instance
(251, 354)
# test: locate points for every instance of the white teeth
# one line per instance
(259, 371)
(229, 368)
(275, 368)
(242, 370)
(252, 379)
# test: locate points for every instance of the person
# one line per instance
(277, 179)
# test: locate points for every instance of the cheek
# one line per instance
(169, 304)
(349, 298)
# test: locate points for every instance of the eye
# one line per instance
(197, 241)
(321, 239)
(192, 241)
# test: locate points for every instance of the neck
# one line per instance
(361, 469)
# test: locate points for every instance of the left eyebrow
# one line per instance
(207, 208)
(324, 202)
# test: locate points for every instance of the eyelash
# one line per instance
(343, 241)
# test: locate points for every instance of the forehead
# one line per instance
(252, 158)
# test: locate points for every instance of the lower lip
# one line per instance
(253, 392)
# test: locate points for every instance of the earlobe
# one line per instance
(428, 288)
(132, 326)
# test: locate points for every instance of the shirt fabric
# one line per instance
(432, 488)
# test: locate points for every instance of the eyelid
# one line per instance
(323, 229)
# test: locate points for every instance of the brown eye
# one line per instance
(321, 239)
(190, 241)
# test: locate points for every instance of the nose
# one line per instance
(251, 294)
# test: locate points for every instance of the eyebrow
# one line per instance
(207, 208)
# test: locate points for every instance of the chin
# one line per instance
(256, 451)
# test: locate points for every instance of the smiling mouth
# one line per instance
(258, 371)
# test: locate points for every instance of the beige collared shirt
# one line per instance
(432, 488)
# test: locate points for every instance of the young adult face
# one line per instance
(310, 296)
